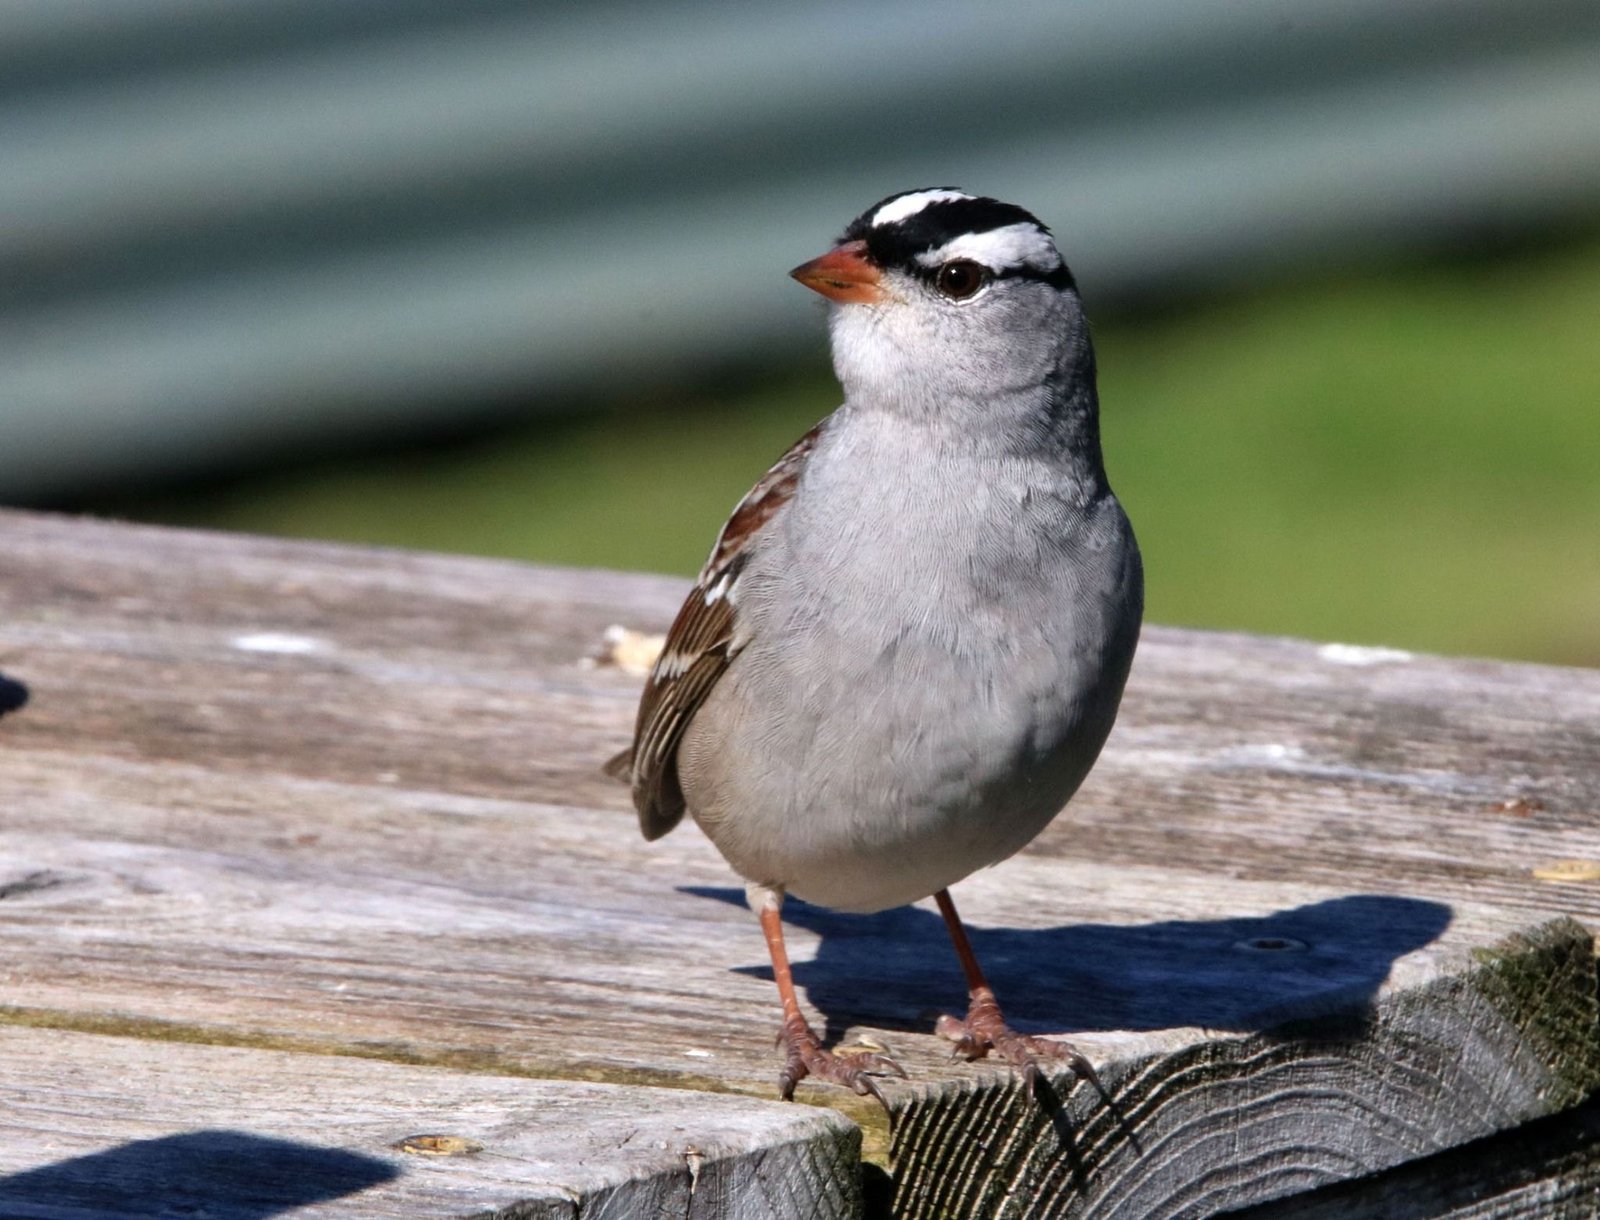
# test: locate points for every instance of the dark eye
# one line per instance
(960, 278)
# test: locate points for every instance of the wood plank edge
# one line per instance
(1526, 1010)
(97, 1122)
(865, 1113)
(1548, 1168)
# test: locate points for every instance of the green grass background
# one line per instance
(1409, 458)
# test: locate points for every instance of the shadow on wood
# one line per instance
(896, 969)
(226, 1175)
(13, 695)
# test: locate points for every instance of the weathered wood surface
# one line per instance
(307, 798)
(1546, 1170)
(323, 1135)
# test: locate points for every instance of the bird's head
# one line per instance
(942, 297)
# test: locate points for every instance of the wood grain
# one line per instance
(1200, 1128)
(318, 799)
(1545, 1170)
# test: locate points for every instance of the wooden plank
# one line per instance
(311, 797)
(1546, 1170)
(1245, 756)
(468, 931)
(120, 1127)
(1194, 1127)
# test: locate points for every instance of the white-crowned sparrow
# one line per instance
(911, 638)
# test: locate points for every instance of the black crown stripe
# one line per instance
(898, 243)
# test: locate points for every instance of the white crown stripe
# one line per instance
(1016, 245)
(912, 203)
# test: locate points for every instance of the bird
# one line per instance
(912, 635)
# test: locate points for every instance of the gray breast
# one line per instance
(934, 661)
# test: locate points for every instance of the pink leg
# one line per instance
(985, 1028)
(804, 1054)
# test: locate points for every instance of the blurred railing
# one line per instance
(231, 226)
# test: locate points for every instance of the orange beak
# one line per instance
(843, 274)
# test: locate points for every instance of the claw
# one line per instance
(873, 1064)
(804, 1055)
(963, 1044)
(985, 1030)
(853, 1069)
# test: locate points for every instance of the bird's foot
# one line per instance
(805, 1057)
(985, 1030)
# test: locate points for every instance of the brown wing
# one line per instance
(700, 644)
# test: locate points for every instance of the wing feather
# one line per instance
(701, 643)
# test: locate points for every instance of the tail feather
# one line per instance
(660, 804)
(621, 767)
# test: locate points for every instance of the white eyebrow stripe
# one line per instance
(910, 205)
(1001, 249)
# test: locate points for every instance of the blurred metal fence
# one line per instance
(232, 225)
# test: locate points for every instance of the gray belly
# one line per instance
(866, 760)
